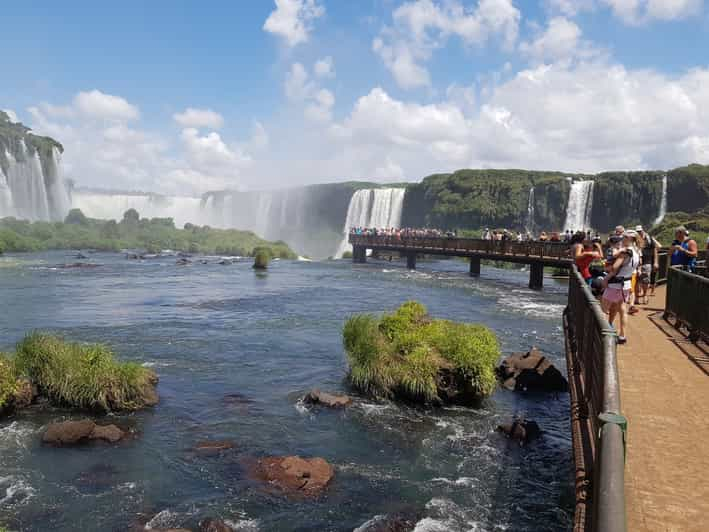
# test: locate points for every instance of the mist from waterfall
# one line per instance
(32, 188)
(663, 202)
(378, 207)
(578, 208)
(529, 222)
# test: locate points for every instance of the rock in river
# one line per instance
(76, 432)
(214, 525)
(531, 372)
(295, 476)
(521, 430)
(316, 397)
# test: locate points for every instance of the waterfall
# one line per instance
(379, 207)
(578, 209)
(663, 202)
(529, 223)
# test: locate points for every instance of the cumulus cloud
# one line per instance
(570, 8)
(199, 118)
(636, 12)
(96, 104)
(292, 20)
(300, 88)
(421, 26)
(320, 109)
(324, 68)
(559, 41)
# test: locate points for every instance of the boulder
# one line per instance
(316, 397)
(398, 522)
(295, 476)
(68, 432)
(532, 372)
(109, 433)
(213, 447)
(214, 525)
(521, 430)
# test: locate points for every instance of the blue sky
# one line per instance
(412, 88)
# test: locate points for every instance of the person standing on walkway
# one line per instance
(685, 250)
(617, 284)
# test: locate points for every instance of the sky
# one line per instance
(182, 97)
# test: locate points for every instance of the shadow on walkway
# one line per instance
(697, 353)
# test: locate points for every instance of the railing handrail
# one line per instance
(687, 300)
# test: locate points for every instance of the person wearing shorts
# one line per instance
(617, 294)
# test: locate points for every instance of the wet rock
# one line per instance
(454, 388)
(149, 393)
(316, 397)
(97, 477)
(132, 256)
(183, 261)
(25, 394)
(109, 433)
(295, 476)
(74, 265)
(214, 525)
(532, 372)
(398, 522)
(80, 256)
(225, 262)
(213, 447)
(521, 430)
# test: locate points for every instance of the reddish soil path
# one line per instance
(664, 383)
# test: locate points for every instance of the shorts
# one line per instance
(615, 294)
(645, 274)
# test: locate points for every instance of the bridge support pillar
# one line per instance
(536, 276)
(359, 254)
(474, 266)
(411, 260)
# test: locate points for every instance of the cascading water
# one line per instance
(379, 207)
(529, 222)
(578, 209)
(663, 202)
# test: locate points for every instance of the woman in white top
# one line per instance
(617, 284)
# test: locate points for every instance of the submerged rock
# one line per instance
(78, 265)
(82, 431)
(295, 476)
(183, 261)
(316, 397)
(213, 447)
(398, 522)
(532, 372)
(521, 430)
(214, 525)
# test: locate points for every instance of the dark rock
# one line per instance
(132, 256)
(397, 522)
(25, 394)
(521, 430)
(183, 262)
(76, 265)
(454, 388)
(531, 372)
(214, 525)
(316, 397)
(109, 433)
(225, 262)
(68, 432)
(295, 476)
(213, 447)
(80, 256)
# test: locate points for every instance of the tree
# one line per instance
(131, 217)
(76, 217)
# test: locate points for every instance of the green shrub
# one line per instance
(347, 255)
(262, 257)
(83, 375)
(8, 380)
(405, 354)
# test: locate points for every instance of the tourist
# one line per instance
(685, 250)
(519, 237)
(583, 253)
(486, 234)
(649, 267)
(543, 237)
(617, 284)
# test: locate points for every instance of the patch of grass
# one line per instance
(83, 375)
(405, 353)
(262, 258)
(8, 382)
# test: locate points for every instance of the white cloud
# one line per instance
(320, 109)
(199, 118)
(421, 26)
(292, 20)
(96, 104)
(11, 114)
(559, 41)
(324, 68)
(570, 8)
(641, 11)
(297, 86)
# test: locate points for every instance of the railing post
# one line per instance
(475, 266)
(536, 275)
(411, 260)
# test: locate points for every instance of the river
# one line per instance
(235, 351)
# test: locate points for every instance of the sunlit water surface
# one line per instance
(235, 351)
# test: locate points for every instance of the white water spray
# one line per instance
(663, 202)
(529, 223)
(578, 209)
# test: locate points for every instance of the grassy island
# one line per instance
(409, 355)
(132, 232)
(78, 375)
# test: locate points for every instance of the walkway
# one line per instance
(664, 383)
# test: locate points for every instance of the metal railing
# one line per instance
(598, 428)
(433, 245)
(688, 302)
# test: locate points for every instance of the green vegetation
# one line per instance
(79, 232)
(262, 257)
(8, 380)
(697, 223)
(409, 355)
(83, 375)
(347, 255)
(10, 135)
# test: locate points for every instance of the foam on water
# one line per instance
(17, 434)
(243, 525)
(17, 491)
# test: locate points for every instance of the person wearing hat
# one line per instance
(685, 250)
(650, 264)
(617, 284)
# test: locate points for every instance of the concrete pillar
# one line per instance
(474, 266)
(359, 254)
(536, 276)
(411, 260)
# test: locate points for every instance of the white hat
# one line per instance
(638, 227)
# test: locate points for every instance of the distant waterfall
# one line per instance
(663, 202)
(529, 222)
(578, 210)
(379, 207)
(31, 186)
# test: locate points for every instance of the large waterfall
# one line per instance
(663, 202)
(578, 209)
(378, 207)
(529, 222)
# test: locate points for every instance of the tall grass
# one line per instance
(404, 353)
(8, 382)
(262, 257)
(83, 375)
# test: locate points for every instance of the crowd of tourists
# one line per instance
(402, 232)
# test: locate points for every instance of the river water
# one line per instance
(235, 351)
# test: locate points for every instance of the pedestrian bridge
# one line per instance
(536, 254)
